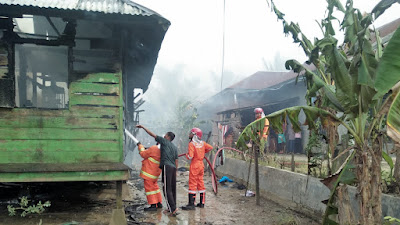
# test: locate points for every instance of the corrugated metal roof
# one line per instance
(102, 6)
(264, 79)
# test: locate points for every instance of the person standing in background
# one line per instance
(259, 113)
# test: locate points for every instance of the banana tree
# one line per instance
(353, 80)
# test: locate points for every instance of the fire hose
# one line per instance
(131, 136)
(214, 177)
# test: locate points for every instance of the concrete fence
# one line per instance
(303, 192)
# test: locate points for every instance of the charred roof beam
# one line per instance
(52, 25)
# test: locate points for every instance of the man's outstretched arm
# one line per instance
(147, 131)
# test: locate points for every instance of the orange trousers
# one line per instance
(196, 181)
(152, 190)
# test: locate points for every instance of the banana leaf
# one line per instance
(277, 119)
(317, 83)
(382, 6)
(387, 78)
(388, 72)
(393, 117)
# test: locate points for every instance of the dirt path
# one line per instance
(91, 203)
(230, 206)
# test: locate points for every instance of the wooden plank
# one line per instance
(59, 145)
(61, 167)
(83, 87)
(39, 156)
(57, 122)
(64, 176)
(57, 134)
(121, 122)
(100, 100)
(75, 111)
(90, 111)
(101, 78)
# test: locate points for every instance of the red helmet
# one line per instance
(197, 132)
(258, 110)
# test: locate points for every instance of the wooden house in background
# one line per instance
(67, 73)
(233, 109)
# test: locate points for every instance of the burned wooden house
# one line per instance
(67, 73)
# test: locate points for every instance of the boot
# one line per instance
(153, 207)
(190, 206)
(159, 205)
(202, 200)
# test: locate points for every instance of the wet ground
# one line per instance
(90, 203)
(230, 206)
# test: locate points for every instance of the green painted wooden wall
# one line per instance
(90, 131)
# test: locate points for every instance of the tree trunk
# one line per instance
(346, 215)
(396, 172)
(369, 187)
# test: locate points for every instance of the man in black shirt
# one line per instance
(168, 165)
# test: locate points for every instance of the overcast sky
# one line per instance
(190, 59)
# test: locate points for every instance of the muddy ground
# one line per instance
(91, 203)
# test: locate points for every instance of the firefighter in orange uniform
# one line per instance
(150, 172)
(259, 113)
(196, 151)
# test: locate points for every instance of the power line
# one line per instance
(223, 45)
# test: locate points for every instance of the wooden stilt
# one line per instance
(119, 194)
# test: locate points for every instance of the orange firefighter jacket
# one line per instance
(266, 127)
(196, 154)
(265, 131)
(150, 163)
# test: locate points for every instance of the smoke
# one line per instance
(169, 85)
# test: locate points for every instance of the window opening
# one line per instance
(41, 76)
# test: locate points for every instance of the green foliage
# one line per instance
(388, 78)
(276, 120)
(350, 78)
(315, 159)
(26, 208)
(389, 161)
(345, 176)
(313, 142)
(393, 117)
(388, 178)
(388, 220)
